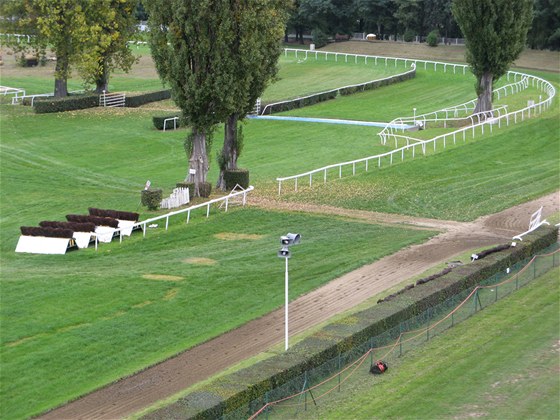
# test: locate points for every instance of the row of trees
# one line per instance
(89, 36)
(399, 17)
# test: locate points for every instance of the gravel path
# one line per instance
(171, 376)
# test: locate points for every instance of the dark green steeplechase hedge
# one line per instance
(237, 390)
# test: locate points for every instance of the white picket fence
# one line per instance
(178, 198)
(112, 99)
(477, 123)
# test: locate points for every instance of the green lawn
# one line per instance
(500, 364)
(73, 323)
(76, 322)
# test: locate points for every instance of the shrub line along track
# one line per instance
(140, 390)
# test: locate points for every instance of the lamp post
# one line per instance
(287, 241)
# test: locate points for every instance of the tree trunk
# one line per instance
(102, 81)
(230, 149)
(198, 161)
(60, 77)
(484, 85)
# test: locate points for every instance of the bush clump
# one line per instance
(69, 103)
(152, 198)
(204, 189)
(409, 35)
(320, 39)
(233, 177)
(432, 38)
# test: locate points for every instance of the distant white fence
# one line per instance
(477, 122)
(21, 99)
(17, 92)
(224, 202)
(179, 197)
(112, 99)
(174, 119)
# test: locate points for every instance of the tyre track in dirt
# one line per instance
(140, 390)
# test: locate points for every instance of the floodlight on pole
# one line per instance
(286, 241)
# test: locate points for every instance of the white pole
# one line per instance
(286, 314)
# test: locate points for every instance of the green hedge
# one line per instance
(237, 390)
(232, 177)
(152, 198)
(158, 121)
(69, 103)
(134, 101)
(325, 96)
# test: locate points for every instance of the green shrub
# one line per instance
(204, 189)
(409, 35)
(189, 185)
(432, 38)
(158, 121)
(151, 198)
(69, 103)
(134, 101)
(320, 39)
(232, 177)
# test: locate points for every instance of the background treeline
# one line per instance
(405, 19)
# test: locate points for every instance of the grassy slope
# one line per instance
(58, 164)
(502, 363)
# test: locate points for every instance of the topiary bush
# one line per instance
(152, 198)
(232, 177)
(204, 189)
(432, 38)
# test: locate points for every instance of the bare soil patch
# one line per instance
(230, 236)
(201, 362)
(162, 277)
(200, 261)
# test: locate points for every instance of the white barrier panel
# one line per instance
(104, 233)
(82, 239)
(42, 245)
(126, 226)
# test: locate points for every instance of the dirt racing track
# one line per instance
(138, 391)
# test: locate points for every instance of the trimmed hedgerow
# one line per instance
(237, 390)
(233, 177)
(204, 189)
(115, 214)
(97, 221)
(487, 252)
(47, 232)
(69, 103)
(74, 226)
(159, 120)
(134, 101)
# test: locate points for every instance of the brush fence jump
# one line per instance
(144, 225)
(458, 113)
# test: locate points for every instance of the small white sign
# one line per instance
(148, 183)
(192, 171)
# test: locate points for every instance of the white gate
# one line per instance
(112, 99)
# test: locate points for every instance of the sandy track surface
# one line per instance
(169, 377)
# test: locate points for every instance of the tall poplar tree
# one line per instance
(495, 34)
(254, 49)
(189, 42)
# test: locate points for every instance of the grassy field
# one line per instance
(68, 321)
(500, 364)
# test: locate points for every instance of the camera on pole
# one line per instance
(286, 241)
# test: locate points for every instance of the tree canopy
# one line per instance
(495, 34)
